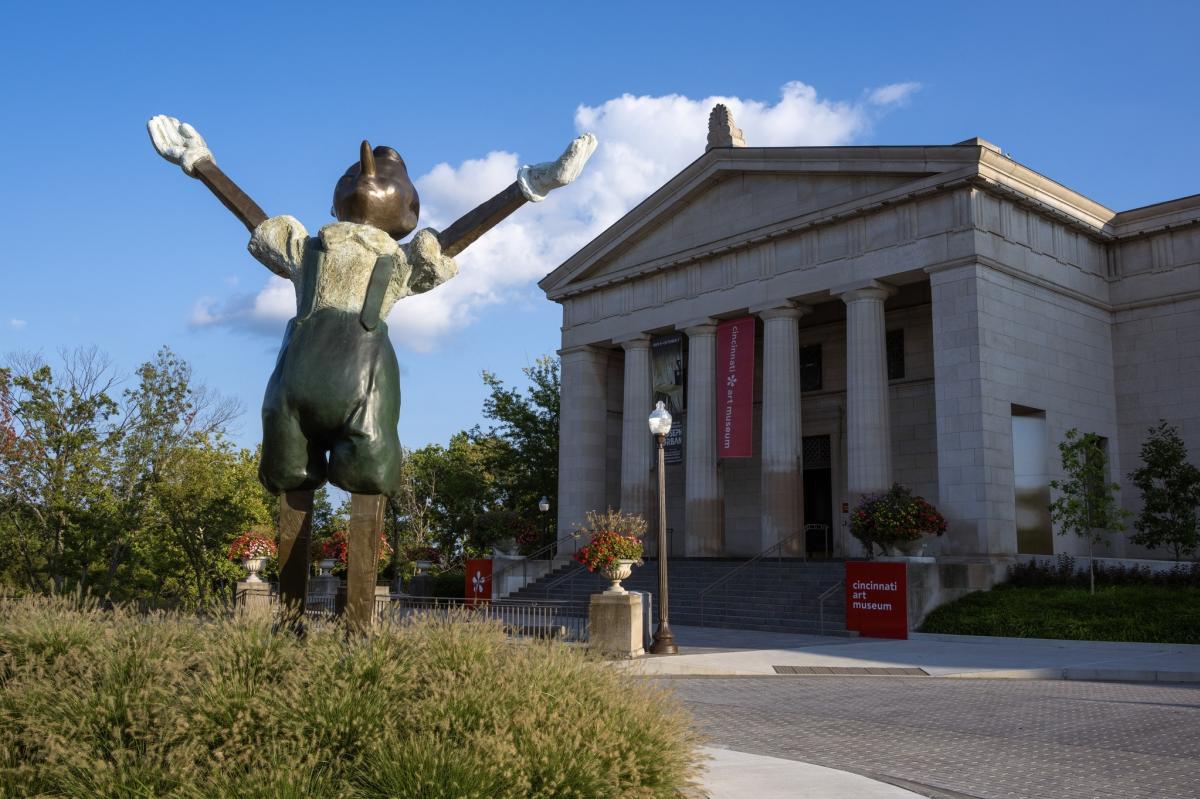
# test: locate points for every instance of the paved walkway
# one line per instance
(713, 651)
(738, 775)
(950, 738)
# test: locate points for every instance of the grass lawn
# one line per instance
(1150, 613)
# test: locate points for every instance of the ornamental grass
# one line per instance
(98, 703)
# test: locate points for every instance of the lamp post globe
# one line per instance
(660, 425)
(660, 420)
(543, 504)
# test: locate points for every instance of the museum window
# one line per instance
(895, 354)
(810, 367)
(1098, 483)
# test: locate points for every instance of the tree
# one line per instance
(204, 497)
(1087, 503)
(443, 490)
(59, 509)
(523, 453)
(1170, 487)
(78, 468)
(166, 413)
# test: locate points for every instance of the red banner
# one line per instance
(478, 574)
(877, 598)
(735, 388)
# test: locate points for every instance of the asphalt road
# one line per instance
(992, 739)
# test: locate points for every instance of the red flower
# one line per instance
(251, 545)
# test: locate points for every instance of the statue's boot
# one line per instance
(295, 533)
(362, 559)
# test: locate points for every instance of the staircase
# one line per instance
(771, 595)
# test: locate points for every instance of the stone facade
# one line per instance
(1007, 294)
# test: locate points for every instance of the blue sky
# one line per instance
(107, 244)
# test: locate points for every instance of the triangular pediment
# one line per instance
(737, 202)
(731, 191)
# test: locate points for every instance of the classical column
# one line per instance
(704, 505)
(782, 501)
(868, 421)
(636, 441)
(582, 436)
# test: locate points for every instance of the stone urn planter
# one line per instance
(616, 572)
(325, 566)
(254, 566)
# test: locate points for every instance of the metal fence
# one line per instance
(561, 621)
(558, 620)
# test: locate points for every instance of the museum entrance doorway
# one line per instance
(818, 497)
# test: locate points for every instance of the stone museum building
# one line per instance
(937, 316)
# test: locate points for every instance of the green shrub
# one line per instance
(1147, 613)
(449, 584)
(1064, 572)
(110, 704)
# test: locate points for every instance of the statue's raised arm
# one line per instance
(181, 144)
(533, 183)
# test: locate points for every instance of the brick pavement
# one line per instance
(993, 739)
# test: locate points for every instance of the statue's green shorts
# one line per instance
(331, 408)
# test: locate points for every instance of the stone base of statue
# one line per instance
(615, 625)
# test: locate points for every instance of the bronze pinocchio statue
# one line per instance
(333, 402)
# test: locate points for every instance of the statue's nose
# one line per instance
(366, 159)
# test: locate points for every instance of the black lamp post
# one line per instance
(664, 641)
(543, 508)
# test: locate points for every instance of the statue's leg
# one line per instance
(362, 567)
(295, 532)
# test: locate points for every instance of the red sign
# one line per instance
(479, 580)
(877, 599)
(735, 388)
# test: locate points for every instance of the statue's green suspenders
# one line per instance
(381, 276)
(310, 274)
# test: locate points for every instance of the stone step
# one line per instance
(778, 596)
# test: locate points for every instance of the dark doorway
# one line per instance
(818, 496)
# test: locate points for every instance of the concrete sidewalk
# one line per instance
(714, 651)
(737, 775)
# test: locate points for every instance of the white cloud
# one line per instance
(893, 94)
(644, 141)
(16, 324)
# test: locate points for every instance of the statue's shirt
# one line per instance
(350, 253)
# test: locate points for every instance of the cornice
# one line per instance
(952, 166)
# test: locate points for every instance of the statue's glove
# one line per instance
(178, 142)
(540, 179)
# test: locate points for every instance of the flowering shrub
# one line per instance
(894, 518)
(336, 547)
(614, 536)
(425, 553)
(528, 539)
(251, 545)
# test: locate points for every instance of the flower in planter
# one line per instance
(894, 518)
(614, 536)
(251, 545)
(336, 547)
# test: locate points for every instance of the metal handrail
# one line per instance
(725, 578)
(821, 601)
(534, 556)
(570, 574)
